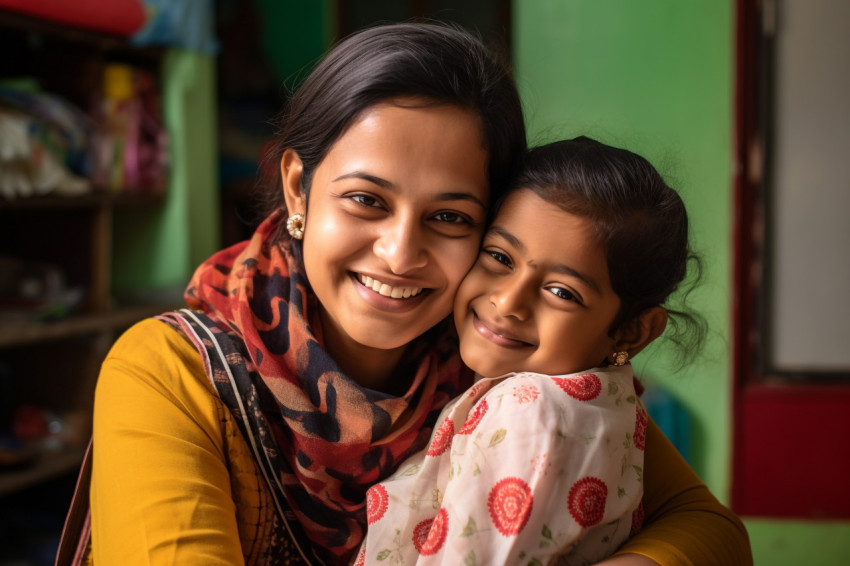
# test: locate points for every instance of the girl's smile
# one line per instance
(539, 298)
(499, 336)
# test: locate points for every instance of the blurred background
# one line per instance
(130, 139)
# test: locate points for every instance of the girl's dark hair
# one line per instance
(640, 222)
(437, 63)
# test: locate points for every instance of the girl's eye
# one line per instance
(564, 294)
(499, 256)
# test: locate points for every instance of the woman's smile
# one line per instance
(388, 298)
(387, 290)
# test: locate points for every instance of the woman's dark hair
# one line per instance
(437, 63)
(640, 222)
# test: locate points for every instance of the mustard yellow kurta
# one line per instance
(173, 481)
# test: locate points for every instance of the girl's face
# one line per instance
(394, 220)
(539, 297)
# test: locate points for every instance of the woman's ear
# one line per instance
(290, 174)
(636, 334)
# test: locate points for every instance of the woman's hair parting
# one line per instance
(640, 222)
(437, 63)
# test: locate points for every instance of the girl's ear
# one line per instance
(636, 334)
(290, 174)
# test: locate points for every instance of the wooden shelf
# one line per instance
(49, 465)
(80, 325)
(92, 200)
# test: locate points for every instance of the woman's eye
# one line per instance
(499, 256)
(365, 200)
(564, 294)
(451, 218)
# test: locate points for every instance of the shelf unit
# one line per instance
(54, 363)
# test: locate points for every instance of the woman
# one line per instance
(319, 352)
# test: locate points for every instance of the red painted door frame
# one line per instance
(791, 455)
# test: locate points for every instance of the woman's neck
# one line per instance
(368, 367)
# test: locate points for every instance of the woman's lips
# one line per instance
(387, 290)
(382, 299)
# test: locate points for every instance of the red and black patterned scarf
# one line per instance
(336, 438)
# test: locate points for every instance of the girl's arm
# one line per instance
(685, 524)
(160, 489)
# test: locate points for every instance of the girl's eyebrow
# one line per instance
(385, 184)
(557, 267)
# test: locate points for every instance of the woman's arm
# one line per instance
(685, 524)
(160, 486)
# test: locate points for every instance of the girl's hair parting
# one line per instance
(432, 62)
(640, 222)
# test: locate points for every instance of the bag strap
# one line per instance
(77, 530)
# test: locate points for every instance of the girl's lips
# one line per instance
(497, 335)
(385, 302)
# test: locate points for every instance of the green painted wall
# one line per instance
(295, 34)
(656, 77)
(157, 249)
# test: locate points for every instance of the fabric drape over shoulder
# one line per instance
(334, 438)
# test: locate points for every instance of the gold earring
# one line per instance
(620, 358)
(295, 226)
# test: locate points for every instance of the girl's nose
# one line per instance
(511, 298)
(401, 244)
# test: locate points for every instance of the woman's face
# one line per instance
(394, 220)
(539, 298)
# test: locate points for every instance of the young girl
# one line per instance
(542, 459)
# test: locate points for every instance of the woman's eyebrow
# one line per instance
(461, 196)
(366, 177)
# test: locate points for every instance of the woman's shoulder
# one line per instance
(155, 355)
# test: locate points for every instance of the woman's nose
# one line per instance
(401, 244)
(511, 298)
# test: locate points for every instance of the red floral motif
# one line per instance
(586, 501)
(582, 387)
(637, 520)
(430, 535)
(525, 393)
(640, 428)
(377, 501)
(474, 418)
(510, 503)
(475, 390)
(442, 438)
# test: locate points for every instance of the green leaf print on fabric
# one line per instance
(470, 529)
(497, 437)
